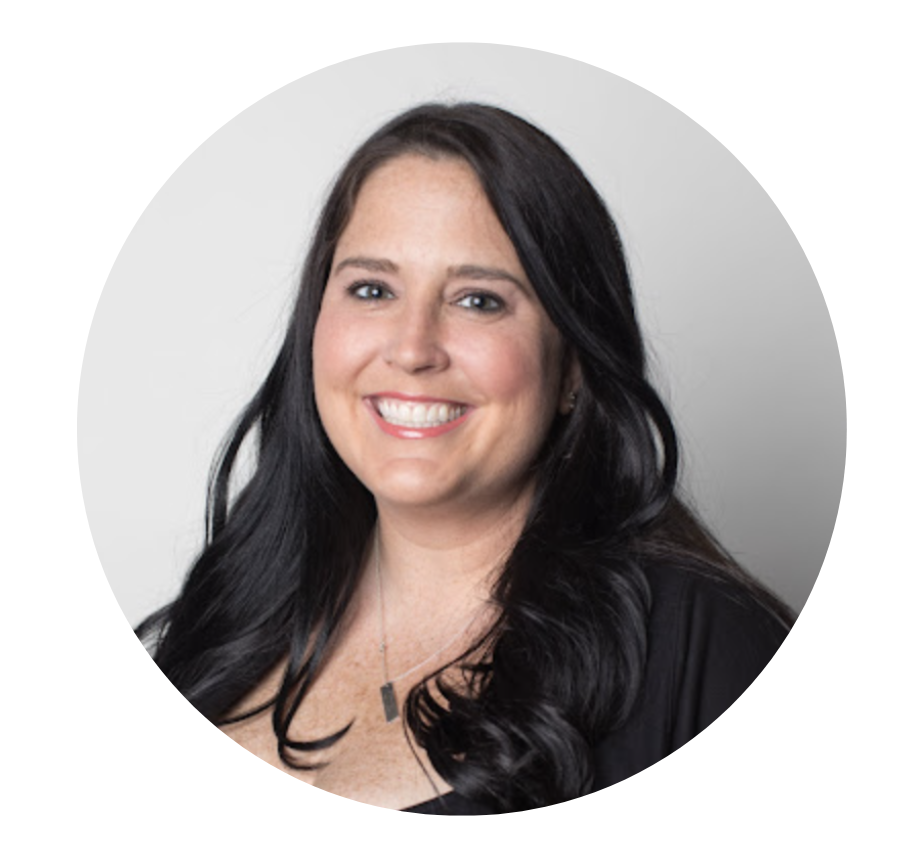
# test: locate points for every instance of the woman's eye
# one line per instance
(484, 302)
(370, 292)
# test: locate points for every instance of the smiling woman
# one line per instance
(460, 579)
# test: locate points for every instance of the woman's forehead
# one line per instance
(415, 208)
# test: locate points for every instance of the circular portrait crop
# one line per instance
(461, 428)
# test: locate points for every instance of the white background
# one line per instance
(103, 101)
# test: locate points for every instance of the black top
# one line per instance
(707, 642)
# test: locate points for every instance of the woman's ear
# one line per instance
(571, 382)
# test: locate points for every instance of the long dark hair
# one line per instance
(564, 662)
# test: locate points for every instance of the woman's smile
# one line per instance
(437, 373)
(417, 417)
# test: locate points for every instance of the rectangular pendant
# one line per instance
(389, 700)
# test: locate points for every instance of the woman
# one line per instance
(460, 580)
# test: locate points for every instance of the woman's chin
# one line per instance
(456, 496)
(418, 485)
(420, 498)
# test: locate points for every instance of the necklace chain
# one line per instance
(388, 696)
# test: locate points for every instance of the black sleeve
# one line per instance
(708, 641)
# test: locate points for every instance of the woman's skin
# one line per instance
(426, 306)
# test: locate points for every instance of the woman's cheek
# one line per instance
(510, 367)
(336, 346)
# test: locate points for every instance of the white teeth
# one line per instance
(418, 415)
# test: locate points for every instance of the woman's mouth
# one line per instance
(416, 418)
(416, 415)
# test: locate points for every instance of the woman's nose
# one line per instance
(415, 342)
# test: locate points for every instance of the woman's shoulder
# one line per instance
(688, 598)
(709, 637)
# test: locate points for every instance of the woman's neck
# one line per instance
(435, 561)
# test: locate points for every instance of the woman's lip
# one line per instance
(413, 398)
(401, 432)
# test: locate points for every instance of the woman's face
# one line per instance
(437, 373)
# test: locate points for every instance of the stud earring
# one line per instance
(572, 400)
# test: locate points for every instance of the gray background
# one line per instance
(193, 310)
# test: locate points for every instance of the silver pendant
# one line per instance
(389, 700)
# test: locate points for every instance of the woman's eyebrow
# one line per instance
(486, 273)
(373, 264)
